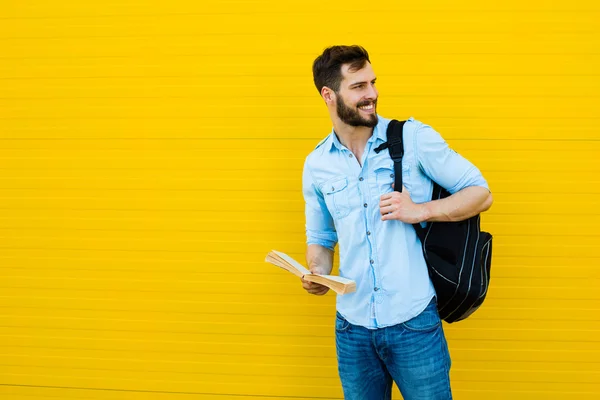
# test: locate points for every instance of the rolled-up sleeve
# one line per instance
(320, 228)
(443, 165)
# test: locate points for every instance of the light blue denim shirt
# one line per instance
(342, 207)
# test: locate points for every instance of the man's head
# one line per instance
(345, 79)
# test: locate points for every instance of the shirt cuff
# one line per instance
(327, 240)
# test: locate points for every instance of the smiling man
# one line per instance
(389, 330)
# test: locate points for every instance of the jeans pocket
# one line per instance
(426, 321)
(341, 324)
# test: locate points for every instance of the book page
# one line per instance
(337, 283)
(293, 262)
(339, 279)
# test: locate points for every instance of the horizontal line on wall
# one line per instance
(218, 232)
(192, 332)
(167, 351)
(167, 268)
(195, 314)
(162, 261)
(286, 282)
(255, 54)
(282, 139)
(261, 303)
(314, 378)
(158, 189)
(245, 293)
(484, 338)
(496, 31)
(172, 271)
(557, 350)
(408, 96)
(225, 254)
(236, 139)
(186, 302)
(99, 389)
(187, 210)
(154, 291)
(228, 172)
(299, 117)
(441, 10)
(300, 212)
(303, 76)
(229, 252)
(291, 365)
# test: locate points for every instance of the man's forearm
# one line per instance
(319, 259)
(461, 205)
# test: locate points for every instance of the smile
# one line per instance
(369, 107)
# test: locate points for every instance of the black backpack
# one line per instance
(458, 254)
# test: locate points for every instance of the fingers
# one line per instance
(386, 203)
(386, 210)
(386, 196)
(319, 291)
(306, 285)
(314, 288)
(389, 198)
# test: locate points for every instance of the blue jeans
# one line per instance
(413, 354)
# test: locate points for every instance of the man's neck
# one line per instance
(353, 137)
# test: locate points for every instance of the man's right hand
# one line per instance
(319, 260)
(315, 288)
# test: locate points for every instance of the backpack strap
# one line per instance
(396, 148)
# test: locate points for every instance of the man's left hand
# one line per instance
(399, 206)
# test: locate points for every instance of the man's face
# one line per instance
(356, 101)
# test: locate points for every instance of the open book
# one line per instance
(336, 283)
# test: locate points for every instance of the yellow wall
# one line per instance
(151, 155)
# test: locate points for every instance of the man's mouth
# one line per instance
(367, 107)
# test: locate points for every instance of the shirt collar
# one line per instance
(379, 134)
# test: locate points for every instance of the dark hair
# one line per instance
(327, 68)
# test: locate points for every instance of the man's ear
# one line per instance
(327, 95)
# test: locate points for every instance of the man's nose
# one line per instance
(372, 92)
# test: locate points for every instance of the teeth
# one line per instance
(369, 107)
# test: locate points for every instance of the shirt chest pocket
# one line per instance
(384, 177)
(337, 197)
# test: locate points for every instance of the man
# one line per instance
(389, 329)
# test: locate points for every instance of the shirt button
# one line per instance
(391, 175)
(372, 262)
(365, 205)
(360, 179)
(350, 155)
(376, 289)
(368, 233)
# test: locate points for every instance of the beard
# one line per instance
(351, 115)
